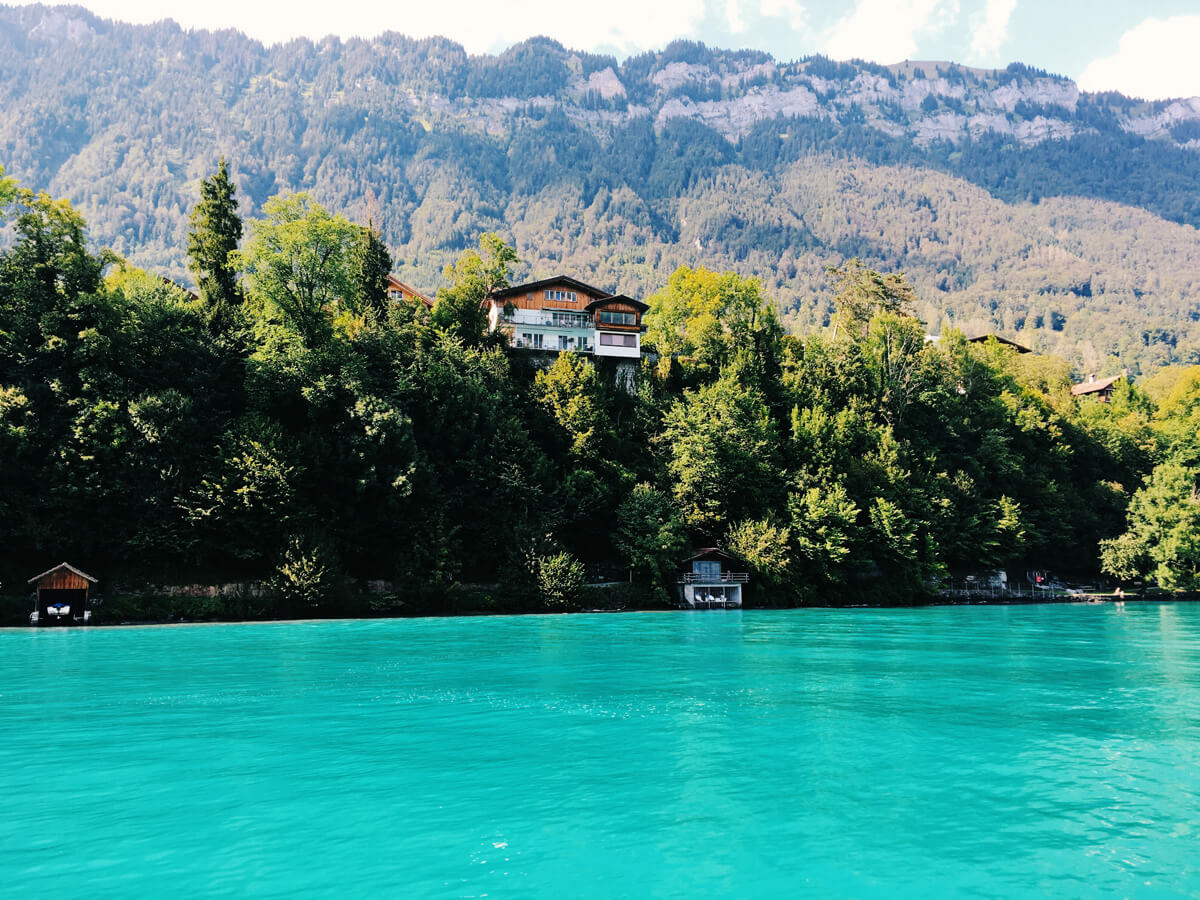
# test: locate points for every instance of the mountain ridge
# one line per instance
(620, 169)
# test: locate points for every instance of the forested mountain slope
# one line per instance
(1013, 201)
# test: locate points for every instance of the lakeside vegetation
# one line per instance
(293, 428)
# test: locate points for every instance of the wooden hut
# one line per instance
(62, 596)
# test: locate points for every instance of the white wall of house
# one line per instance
(622, 344)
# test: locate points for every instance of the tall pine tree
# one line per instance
(370, 265)
(215, 232)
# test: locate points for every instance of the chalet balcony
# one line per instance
(547, 342)
(580, 321)
(723, 578)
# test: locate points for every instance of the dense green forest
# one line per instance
(291, 426)
(1013, 202)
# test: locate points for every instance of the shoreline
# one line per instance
(1075, 600)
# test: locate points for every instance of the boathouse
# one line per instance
(62, 596)
(712, 579)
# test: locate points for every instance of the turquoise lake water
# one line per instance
(998, 751)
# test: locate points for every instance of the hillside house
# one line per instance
(398, 291)
(1100, 388)
(562, 314)
(711, 579)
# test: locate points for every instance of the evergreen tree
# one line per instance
(215, 232)
(370, 265)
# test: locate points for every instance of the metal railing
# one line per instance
(579, 321)
(723, 578)
(522, 344)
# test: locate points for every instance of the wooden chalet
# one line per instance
(1100, 388)
(562, 314)
(711, 579)
(61, 596)
(398, 291)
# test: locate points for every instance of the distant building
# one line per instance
(398, 291)
(1100, 388)
(61, 596)
(562, 314)
(711, 579)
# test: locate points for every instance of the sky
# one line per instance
(1143, 48)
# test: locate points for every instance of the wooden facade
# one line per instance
(563, 314)
(1100, 388)
(401, 292)
(62, 596)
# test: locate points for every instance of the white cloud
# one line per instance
(627, 25)
(1154, 60)
(792, 10)
(991, 32)
(733, 13)
(886, 31)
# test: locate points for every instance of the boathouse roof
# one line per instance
(60, 567)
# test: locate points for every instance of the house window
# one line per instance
(562, 342)
(617, 318)
(560, 295)
(618, 340)
(706, 568)
(537, 340)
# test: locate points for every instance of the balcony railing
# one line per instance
(723, 578)
(521, 344)
(552, 319)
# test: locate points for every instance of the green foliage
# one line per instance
(650, 535)
(459, 308)
(862, 294)
(1163, 540)
(767, 547)
(306, 575)
(721, 453)
(370, 265)
(298, 265)
(213, 238)
(570, 391)
(338, 438)
(707, 317)
(560, 581)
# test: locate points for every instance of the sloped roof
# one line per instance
(714, 551)
(1093, 387)
(549, 282)
(66, 566)
(617, 298)
(983, 338)
(395, 282)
